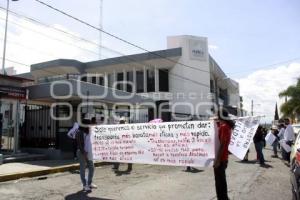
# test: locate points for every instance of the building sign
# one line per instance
(12, 92)
(189, 143)
(198, 50)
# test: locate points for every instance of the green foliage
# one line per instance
(291, 108)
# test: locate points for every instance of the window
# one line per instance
(139, 81)
(84, 78)
(212, 86)
(94, 80)
(120, 79)
(110, 80)
(164, 80)
(101, 80)
(150, 81)
(129, 81)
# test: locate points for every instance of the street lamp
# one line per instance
(5, 35)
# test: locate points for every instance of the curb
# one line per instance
(53, 170)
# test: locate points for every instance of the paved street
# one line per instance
(246, 181)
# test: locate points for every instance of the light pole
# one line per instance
(5, 35)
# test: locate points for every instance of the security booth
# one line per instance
(13, 97)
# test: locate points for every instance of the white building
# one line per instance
(182, 79)
(178, 83)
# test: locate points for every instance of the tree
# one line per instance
(291, 107)
(276, 116)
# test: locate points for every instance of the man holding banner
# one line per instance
(221, 160)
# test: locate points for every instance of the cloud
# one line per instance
(30, 43)
(263, 87)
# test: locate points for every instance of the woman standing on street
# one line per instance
(259, 145)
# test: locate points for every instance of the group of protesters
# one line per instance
(284, 132)
(284, 135)
(82, 139)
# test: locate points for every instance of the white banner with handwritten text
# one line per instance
(242, 135)
(189, 143)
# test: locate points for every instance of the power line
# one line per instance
(30, 19)
(36, 21)
(16, 62)
(116, 37)
(85, 40)
(267, 66)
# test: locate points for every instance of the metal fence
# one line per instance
(38, 130)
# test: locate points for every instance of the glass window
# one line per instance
(139, 81)
(150, 81)
(212, 86)
(94, 80)
(163, 80)
(129, 76)
(120, 78)
(101, 80)
(84, 78)
(110, 80)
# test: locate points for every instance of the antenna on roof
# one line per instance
(101, 27)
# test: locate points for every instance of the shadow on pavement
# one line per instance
(83, 196)
(120, 173)
(247, 162)
(266, 166)
(194, 170)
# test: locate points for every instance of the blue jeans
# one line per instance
(259, 148)
(83, 164)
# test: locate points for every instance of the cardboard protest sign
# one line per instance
(270, 138)
(286, 147)
(189, 143)
(242, 135)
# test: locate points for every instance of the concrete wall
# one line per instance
(194, 54)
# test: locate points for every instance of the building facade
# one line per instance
(182, 82)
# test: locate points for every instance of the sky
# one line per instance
(253, 41)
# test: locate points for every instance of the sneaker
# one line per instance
(93, 186)
(86, 188)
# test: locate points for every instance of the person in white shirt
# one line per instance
(280, 136)
(288, 136)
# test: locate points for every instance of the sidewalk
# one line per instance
(13, 171)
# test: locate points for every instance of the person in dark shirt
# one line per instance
(259, 144)
(221, 160)
(85, 157)
(275, 132)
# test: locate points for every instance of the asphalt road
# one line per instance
(147, 182)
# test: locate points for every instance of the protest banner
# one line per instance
(270, 138)
(189, 143)
(242, 136)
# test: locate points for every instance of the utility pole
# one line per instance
(101, 27)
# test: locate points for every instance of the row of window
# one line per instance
(127, 85)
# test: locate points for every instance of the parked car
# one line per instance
(295, 168)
